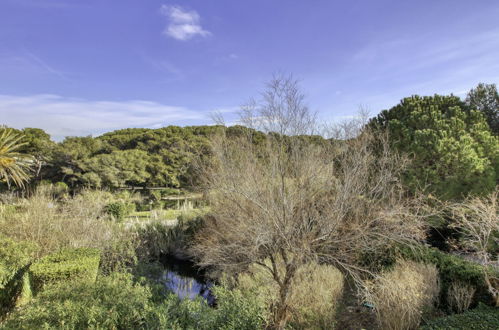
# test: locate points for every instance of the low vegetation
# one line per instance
(293, 221)
(405, 295)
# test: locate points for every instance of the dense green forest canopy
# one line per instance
(454, 150)
(128, 157)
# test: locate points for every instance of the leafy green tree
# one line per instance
(39, 145)
(117, 169)
(453, 151)
(485, 98)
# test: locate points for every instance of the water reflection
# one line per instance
(183, 278)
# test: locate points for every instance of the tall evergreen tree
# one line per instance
(452, 148)
(485, 98)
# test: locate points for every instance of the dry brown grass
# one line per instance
(76, 222)
(403, 295)
(314, 299)
(460, 295)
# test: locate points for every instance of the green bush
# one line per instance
(15, 258)
(234, 310)
(112, 302)
(117, 302)
(67, 264)
(119, 210)
(481, 318)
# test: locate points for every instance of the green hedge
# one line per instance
(481, 318)
(67, 264)
(15, 258)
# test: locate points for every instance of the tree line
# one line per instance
(452, 144)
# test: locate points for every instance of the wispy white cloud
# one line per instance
(183, 24)
(61, 116)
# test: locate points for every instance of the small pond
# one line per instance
(183, 278)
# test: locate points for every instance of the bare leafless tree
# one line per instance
(477, 220)
(292, 199)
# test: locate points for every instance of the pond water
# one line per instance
(184, 279)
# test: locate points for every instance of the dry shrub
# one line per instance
(313, 300)
(460, 295)
(77, 222)
(402, 295)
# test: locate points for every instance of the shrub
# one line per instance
(119, 210)
(120, 254)
(72, 223)
(402, 295)
(313, 301)
(112, 302)
(67, 264)
(451, 268)
(234, 310)
(116, 302)
(460, 296)
(481, 318)
(156, 239)
(15, 258)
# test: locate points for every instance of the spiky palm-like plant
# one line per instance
(14, 166)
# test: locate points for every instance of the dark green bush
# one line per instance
(67, 264)
(481, 318)
(15, 258)
(119, 210)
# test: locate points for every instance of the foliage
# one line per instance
(476, 220)
(119, 210)
(53, 224)
(15, 258)
(451, 268)
(117, 302)
(158, 239)
(481, 318)
(460, 296)
(485, 99)
(65, 265)
(453, 150)
(404, 294)
(314, 299)
(234, 310)
(292, 202)
(112, 302)
(14, 166)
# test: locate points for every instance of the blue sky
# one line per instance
(78, 67)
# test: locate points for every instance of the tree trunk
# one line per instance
(281, 314)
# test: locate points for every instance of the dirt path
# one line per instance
(352, 315)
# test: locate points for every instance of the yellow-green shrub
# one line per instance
(316, 290)
(402, 295)
(67, 264)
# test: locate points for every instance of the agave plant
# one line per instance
(14, 166)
